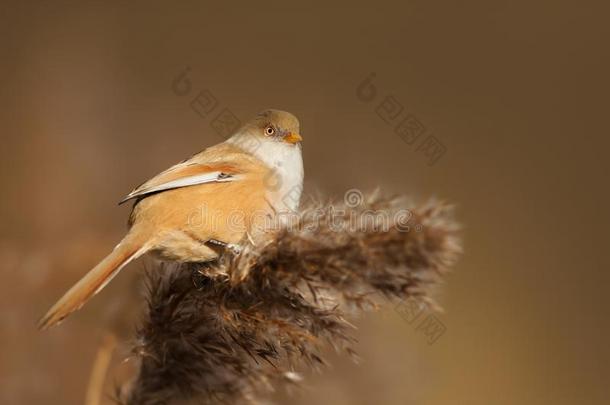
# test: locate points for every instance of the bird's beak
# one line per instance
(293, 138)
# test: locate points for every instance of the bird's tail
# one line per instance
(130, 248)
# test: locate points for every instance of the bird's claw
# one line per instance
(235, 249)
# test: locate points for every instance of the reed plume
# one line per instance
(254, 320)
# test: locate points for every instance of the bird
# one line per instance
(218, 199)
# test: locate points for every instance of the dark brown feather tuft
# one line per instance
(260, 317)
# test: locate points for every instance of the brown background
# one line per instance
(516, 91)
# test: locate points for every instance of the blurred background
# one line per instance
(514, 94)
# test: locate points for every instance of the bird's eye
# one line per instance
(269, 130)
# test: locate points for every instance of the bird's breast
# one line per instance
(284, 184)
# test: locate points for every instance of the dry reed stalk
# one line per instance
(99, 370)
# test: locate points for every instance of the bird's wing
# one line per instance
(184, 174)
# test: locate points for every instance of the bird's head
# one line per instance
(275, 125)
